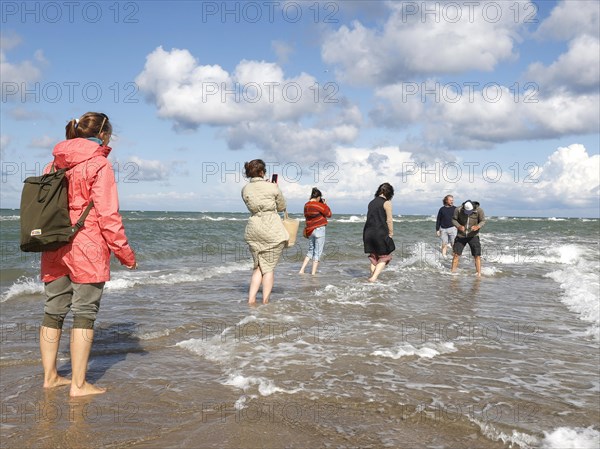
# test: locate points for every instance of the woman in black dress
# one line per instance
(379, 230)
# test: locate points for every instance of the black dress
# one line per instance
(376, 235)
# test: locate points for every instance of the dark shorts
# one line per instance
(473, 242)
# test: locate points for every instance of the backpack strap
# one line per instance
(83, 216)
(85, 213)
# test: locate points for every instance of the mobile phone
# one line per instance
(274, 178)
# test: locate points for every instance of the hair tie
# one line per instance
(76, 122)
(103, 122)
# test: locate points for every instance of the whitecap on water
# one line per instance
(428, 350)
(580, 285)
(23, 286)
(572, 438)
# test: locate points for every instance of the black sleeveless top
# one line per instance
(376, 237)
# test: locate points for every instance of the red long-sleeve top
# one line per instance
(316, 214)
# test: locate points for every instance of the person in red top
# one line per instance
(316, 212)
(74, 275)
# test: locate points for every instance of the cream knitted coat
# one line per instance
(264, 231)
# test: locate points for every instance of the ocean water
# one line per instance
(419, 359)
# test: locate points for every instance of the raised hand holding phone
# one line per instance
(274, 178)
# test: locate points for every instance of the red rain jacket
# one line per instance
(86, 259)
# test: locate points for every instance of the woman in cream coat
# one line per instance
(265, 233)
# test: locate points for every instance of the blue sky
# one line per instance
(490, 101)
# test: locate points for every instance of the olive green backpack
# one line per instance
(45, 221)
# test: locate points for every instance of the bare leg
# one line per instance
(268, 280)
(49, 342)
(314, 267)
(304, 264)
(81, 346)
(378, 269)
(455, 262)
(372, 268)
(255, 282)
(477, 264)
(444, 249)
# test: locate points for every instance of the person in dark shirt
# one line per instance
(468, 219)
(444, 228)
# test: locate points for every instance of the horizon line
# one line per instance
(338, 213)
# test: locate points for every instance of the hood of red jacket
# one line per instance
(69, 153)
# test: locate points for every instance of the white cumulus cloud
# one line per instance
(18, 72)
(576, 70)
(567, 182)
(570, 177)
(571, 18)
(136, 169)
(255, 104)
(476, 119)
(15, 74)
(450, 39)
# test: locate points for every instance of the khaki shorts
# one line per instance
(63, 295)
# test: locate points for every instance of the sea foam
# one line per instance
(572, 438)
(519, 439)
(428, 350)
(581, 286)
(352, 219)
(127, 280)
(23, 286)
(266, 387)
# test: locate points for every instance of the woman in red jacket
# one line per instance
(74, 275)
(316, 213)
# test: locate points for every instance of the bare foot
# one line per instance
(85, 390)
(372, 280)
(252, 301)
(300, 272)
(57, 381)
(266, 301)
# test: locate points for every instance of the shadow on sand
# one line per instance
(111, 345)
